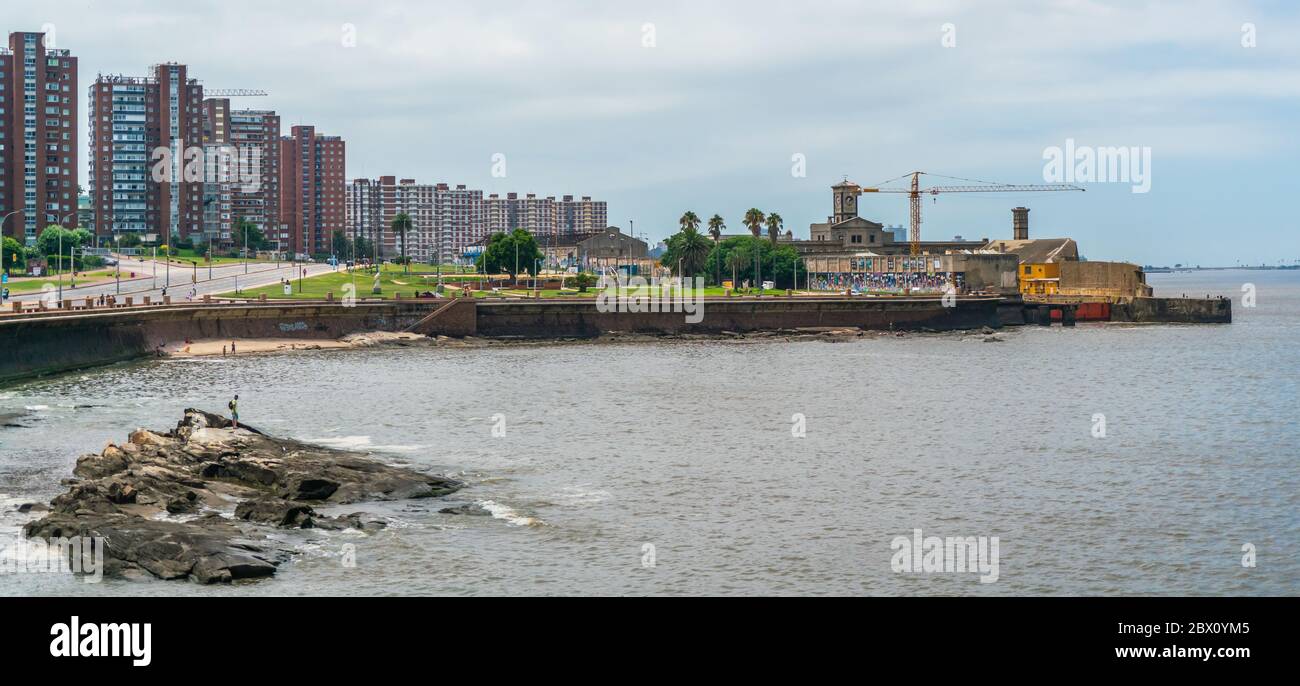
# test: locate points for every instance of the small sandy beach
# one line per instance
(207, 347)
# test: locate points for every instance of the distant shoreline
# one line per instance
(1170, 270)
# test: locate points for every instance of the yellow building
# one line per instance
(1040, 279)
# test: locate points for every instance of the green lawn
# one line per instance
(394, 279)
(186, 256)
(31, 284)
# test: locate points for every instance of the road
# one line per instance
(223, 279)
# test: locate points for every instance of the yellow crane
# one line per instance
(915, 191)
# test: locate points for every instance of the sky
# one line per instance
(716, 107)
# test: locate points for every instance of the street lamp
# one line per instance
(117, 268)
(2, 234)
(74, 252)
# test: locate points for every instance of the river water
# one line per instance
(672, 468)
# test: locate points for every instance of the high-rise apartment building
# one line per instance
(38, 136)
(253, 182)
(445, 220)
(312, 195)
(143, 130)
(448, 220)
(544, 217)
(459, 221)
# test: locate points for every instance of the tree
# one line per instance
(364, 247)
(774, 227)
(248, 233)
(736, 260)
(512, 253)
(716, 226)
(689, 248)
(14, 254)
(754, 220)
(342, 245)
(584, 280)
(689, 221)
(736, 254)
(55, 237)
(401, 225)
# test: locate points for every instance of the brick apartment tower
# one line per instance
(312, 189)
(38, 136)
(131, 120)
(248, 130)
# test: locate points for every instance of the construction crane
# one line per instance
(232, 93)
(915, 192)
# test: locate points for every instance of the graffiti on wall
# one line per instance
(889, 282)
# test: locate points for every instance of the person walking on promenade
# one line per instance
(234, 411)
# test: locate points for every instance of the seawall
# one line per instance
(39, 343)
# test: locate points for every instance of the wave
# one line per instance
(508, 514)
(360, 443)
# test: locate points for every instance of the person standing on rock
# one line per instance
(234, 411)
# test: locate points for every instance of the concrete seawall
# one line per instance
(51, 342)
(1174, 310)
(41, 343)
(541, 319)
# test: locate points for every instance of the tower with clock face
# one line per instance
(845, 196)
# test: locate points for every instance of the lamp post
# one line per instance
(74, 249)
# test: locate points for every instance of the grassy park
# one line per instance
(31, 284)
(394, 279)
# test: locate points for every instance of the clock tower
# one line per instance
(845, 194)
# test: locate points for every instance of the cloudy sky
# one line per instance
(667, 106)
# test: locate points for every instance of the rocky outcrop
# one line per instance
(162, 501)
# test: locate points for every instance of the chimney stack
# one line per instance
(1020, 223)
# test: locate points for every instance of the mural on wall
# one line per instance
(889, 282)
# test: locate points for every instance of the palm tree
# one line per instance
(715, 229)
(774, 227)
(689, 221)
(735, 260)
(693, 249)
(401, 225)
(754, 220)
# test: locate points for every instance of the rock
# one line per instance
(121, 493)
(986, 331)
(144, 437)
(993, 339)
(110, 462)
(356, 520)
(205, 551)
(277, 512)
(126, 493)
(470, 509)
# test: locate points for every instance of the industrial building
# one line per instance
(848, 253)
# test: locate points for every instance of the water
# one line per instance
(687, 446)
